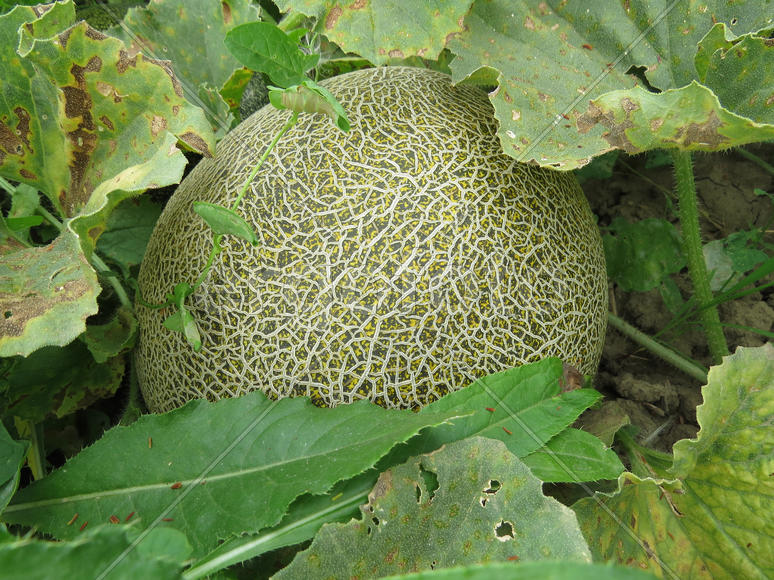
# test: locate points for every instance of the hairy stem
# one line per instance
(689, 222)
(674, 358)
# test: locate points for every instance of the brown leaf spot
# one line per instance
(655, 124)
(333, 17)
(30, 305)
(65, 37)
(26, 173)
(96, 232)
(529, 24)
(107, 122)
(226, 9)
(94, 34)
(196, 143)
(124, 62)
(358, 5)
(705, 133)
(158, 124)
(395, 53)
(166, 66)
(616, 134)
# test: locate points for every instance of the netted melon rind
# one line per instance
(397, 262)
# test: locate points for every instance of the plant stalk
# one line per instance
(36, 455)
(697, 268)
(675, 359)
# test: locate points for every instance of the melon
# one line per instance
(396, 262)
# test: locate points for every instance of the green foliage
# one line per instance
(88, 122)
(11, 458)
(713, 520)
(282, 448)
(98, 550)
(536, 570)
(640, 256)
(470, 502)
(57, 381)
(225, 221)
(531, 416)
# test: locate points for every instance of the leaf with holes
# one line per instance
(283, 448)
(387, 30)
(194, 45)
(715, 519)
(549, 60)
(46, 294)
(471, 501)
(84, 121)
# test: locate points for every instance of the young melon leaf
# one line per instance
(225, 221)
(90, 124)
(524, 408)
(194, 45)
(530, 571)
(12, 454)
(263, 47)
(573, 53)
(96, 550)
(471, 501)
(183, 322)
(715, 520)
(309, 97)
(46, 294)
(386, 31)
(220, 454)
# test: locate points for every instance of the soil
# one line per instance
(641, 388)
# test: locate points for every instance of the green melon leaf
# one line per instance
(117, 336)
(97, 549)
(471, 501)
(527, 402)
(128, 230)
(12, 454)
(88, 123)
(641, 255)
(58, 380)
(263, 47)
(387, 30)
(716, 519)
(46, 294)
(551, 60)
(225, 221)
(309, 97)
(530, 571)
(283, 448)
(305, 516)
(194, 45)
(183, 321)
